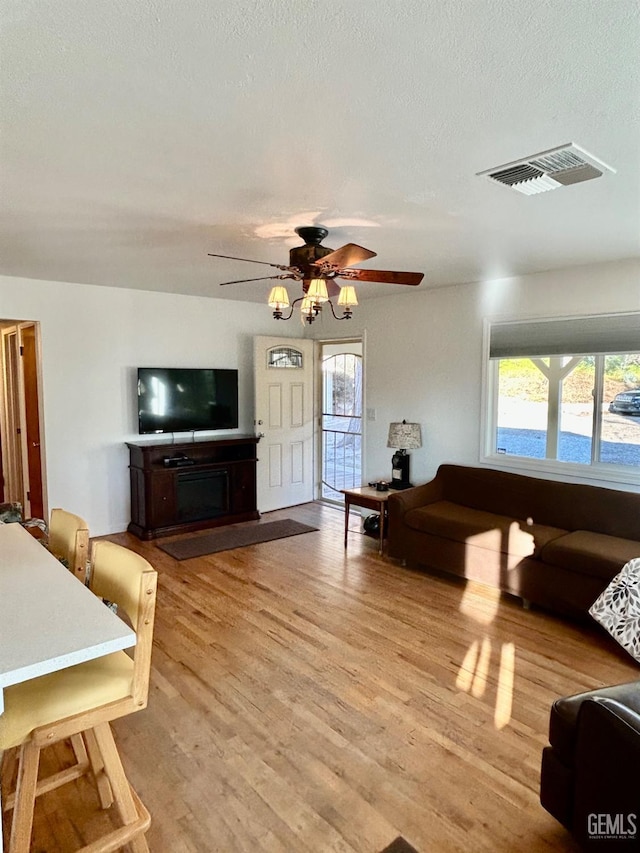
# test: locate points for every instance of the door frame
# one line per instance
(15, 461)
(285, 416)
(361, 339)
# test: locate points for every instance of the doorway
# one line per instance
(21, 417)
(341, 393)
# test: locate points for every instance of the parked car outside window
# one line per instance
(626, 403)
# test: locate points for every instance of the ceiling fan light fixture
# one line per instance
(318, 290)
(348, 297)
(317, 267)
(309, 308)
(278, 299)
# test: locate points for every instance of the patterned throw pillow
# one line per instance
(617, 609)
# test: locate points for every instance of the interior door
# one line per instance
(32, 419)
(12, 436)
(283, 381)
(20, 418)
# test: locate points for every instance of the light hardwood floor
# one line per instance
(308, 700)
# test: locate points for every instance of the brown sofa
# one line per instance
(554, 544)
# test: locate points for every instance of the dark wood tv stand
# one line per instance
(177, 487)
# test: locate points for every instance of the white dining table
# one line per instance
(48, 619)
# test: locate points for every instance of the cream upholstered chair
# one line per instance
(69, 540)
(78, 703)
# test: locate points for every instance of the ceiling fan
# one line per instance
(318, 267)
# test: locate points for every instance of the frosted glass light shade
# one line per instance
(318, 290)
(347, 296)
(278, 298)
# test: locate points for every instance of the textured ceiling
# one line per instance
(138, 135)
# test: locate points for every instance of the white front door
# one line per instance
(283, 378)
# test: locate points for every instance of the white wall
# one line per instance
(93, 339)
(423, 354)
(423, 362)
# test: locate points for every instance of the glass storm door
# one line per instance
(341, 418)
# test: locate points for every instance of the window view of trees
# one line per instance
(568, 408)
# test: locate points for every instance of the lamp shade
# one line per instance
(308, 305)
(318, 290)
(347, 296)
(404, 436)
(278, 298)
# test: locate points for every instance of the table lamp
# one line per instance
(403, 437)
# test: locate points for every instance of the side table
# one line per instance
(369, 498)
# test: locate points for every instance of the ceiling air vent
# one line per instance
(558, 167)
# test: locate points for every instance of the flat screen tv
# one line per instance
(176, 399)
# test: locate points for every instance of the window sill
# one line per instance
(612, 476)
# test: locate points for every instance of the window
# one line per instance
(284, 357)
(566, 393)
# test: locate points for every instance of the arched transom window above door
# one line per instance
(284, 357)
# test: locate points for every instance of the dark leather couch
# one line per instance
(554, 544)
(590, 778)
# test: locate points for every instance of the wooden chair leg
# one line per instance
(20, 839)
(97, 766)
(128, 810)
(8, 774)
(79, 750)
(139, 843)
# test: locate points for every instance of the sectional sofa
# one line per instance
(555, 544)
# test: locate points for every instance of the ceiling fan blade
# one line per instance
(347, 256)
(333, 288)
(261, 278)
(248, 260)
(384, 276)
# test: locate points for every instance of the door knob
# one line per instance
(35, 443)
